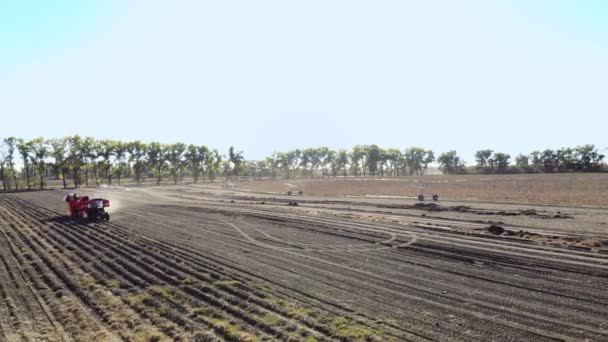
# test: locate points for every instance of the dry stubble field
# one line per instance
(201, 263)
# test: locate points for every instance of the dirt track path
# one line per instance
(176, 267)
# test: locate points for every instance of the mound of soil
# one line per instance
(496, 230)
(426, 205)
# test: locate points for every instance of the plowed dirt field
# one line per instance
(194, 263)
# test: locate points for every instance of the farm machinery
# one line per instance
(421, 197)
(84, 208)
(424, 193)
(296, 191)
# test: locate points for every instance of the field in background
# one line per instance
(569, 189)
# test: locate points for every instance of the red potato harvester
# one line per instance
(85, 208)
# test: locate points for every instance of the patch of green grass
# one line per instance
(311, 338)
(115, 283)
(205, 311)
(164, 291)
(145, 336)
(137, 298)
(226, 282)
(346, 328)
(87, 282)
(225, 328)
(189, 281)
(272, 319)
(104, 300)
(294, 309)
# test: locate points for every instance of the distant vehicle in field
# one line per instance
(293, 192)
(421, 197)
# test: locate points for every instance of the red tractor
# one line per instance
(84, 208)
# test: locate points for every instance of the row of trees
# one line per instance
(89, 161)
(362, 160)
(585, 158)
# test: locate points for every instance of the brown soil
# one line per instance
(565, 189)
(193, 263)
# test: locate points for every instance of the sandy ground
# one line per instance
(204, 263)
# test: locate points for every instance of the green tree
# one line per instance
(482, 157)
(392, 159)
(418, 159)
(342, 161)
(501, 162)
(107, 150)
(589, 158)
(137, 158)
(374, 155)
(450, 163)
(25, 149)
(87, 153)
(292, 161)
(120, 157)
(305, 160)
(236, 159)
(522, 162)
(549, 161)
(91, 155)
(75, 157)
(329, 162)
(40, 151)
(273, 165)
(214, 164)
(11, 144)
(175, 157)
(157, 159)
(536, 161)
(281, 161)
(61, 163)
(323, 156)
(357, 158)
(3, 173)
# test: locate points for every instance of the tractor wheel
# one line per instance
(106, 217)
(435, 197)
(289, 192)
(421, 197)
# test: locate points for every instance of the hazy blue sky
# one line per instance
(275, 75)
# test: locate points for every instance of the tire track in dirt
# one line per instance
(91, 236)
(148, 281)
(56, 277)
(82, 271)
(359, 282)
(373, 275)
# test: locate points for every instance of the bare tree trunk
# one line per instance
(96, 176)
(63, 178)
(3, 178)
(75, 173)
(27, 176)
